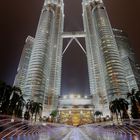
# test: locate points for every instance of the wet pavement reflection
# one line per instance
(23, 130)
(83, 133)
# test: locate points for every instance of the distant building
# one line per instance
(128, 59)
(43, 80)
(24, 64)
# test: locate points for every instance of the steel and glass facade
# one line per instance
(115, 76)
(128, 59)
(95, 67)
(107, 53)
(44, 71)
(24, 64)
(107, 77)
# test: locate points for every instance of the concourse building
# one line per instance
(75, 109)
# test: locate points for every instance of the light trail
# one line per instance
(20, 129)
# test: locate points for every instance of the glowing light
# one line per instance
(78, 96)
(12, 120)
(71, 96)
(85, 97)
(65, 96)
(44, 124)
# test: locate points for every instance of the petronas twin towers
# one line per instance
(42, 80)
(44, 71)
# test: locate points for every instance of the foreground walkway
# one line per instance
(76, 134)
(22, 130)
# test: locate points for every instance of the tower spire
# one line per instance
(53, 1)
(99, 1)
(106, 73)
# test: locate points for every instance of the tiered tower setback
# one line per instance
(41, 64)
(24, 64)
(44, 71)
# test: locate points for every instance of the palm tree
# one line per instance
(120, 108)
(134, 104)
(28, 109)
(2, 90)
(36, 109)
(124, 107)
(15, 97)
(98, 114)
(19, 107)
(29, 104)
(131, 95)
(6, 99)
(27, 115)
(54, 113)
(137, 95)
(115, 108)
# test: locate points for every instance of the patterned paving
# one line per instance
(23, 130)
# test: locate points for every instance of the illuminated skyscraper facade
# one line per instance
(107, 77)
(24, 63)
(105, 52)
(44, 72)
(128, 59)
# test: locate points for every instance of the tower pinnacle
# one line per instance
(43, 73)
(100, 1)
(53, 1)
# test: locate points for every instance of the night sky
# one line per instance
(19, 18)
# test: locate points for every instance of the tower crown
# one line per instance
(53, 1)
(99, 1)
(92, 1)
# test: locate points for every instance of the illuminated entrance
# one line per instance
(76, 116)
(75, 110)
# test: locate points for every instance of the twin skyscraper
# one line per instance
(39, 72)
